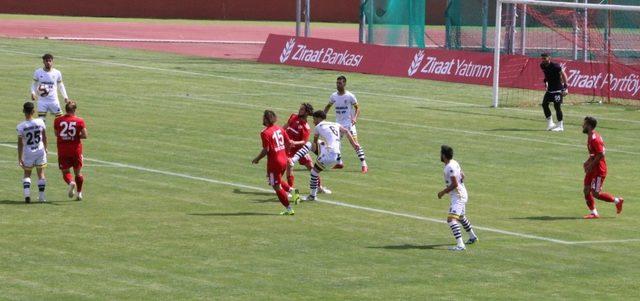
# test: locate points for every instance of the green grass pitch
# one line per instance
(174, 209)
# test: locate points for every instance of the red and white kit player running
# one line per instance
(298, 131)
(347, 113)
(70, 130)
(595, 169)
(274, 144)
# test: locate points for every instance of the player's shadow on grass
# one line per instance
(238, 191)
(33, 202)
(232, 214)
(414, 247)
(549, 218)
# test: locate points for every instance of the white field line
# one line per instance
(141, 40)
(342, 204)
(390, 96)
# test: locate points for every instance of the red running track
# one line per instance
(166, 31)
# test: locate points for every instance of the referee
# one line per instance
(556, 82)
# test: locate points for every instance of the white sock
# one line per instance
(26, 185)
(42, 184)
(616, 200)
(594, 211)
(459, 242)
(561, 124)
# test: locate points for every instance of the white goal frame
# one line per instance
(498, 27)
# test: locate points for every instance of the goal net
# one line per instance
(597, 44)
(395, 22)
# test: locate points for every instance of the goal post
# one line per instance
(606, 34)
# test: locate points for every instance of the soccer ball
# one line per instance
(43, 90)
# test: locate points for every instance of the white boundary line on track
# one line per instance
(142, 40)
(343, 204)
(111, 63)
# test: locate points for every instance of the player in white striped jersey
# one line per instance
(47, 81)
(326, 144)
(347, 113)
(32, 150)
(454, 179)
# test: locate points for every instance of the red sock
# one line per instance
(603, 196)
(79, 181)
(290, 181)
(285, 186)
(591, 203)
(67, 177)
(282, 196)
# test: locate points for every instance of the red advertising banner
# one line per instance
(448, 65)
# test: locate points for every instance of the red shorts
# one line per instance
(274, 175)
(66, 162)
(595, 181)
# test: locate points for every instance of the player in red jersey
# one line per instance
(274, 144)
(595, 169)
(298, 131)
(70, 129)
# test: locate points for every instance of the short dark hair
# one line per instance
(342, 77)
(320, 114)
(545, 54)
(70, 107)
(28, 107)
(47, 56)
(308, 108)
(591, 121)
(270, 116)
(446, 151)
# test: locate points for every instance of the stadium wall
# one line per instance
(275, 10)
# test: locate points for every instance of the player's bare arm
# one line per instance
(353, 142)
(327, 108)
(261, 155)
(563, 78)
(63, 91)
(83, 133)
(355, 117)
(20, 161)
(34, 86)
(451, 187)
(44, 141)
(314, 145)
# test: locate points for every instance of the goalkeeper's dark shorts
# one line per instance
(555, 96)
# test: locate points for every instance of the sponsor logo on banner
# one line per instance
(415, 64)
(455, 67)
(630, 83)
(326, 55)
(469, 67)
(286, 52)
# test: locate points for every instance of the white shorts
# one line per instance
(327, 157)
(34, 159)
(52, 107)
(458, 205)
(351, 128)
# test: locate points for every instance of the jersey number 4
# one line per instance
(68, 129)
